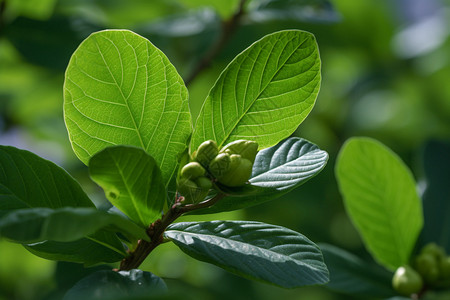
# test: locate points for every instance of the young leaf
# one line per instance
(120, 89)
(27, 180)
(64, 224)
(380, 197)
(259, 251)
(117, 285)
(351, 275)
(276, 171)
(264, 93)
(131, 180)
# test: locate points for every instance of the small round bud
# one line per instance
(407, 281)
(192, 170)
(203, 183)
(206, 152)
(246, 149)
(434, 249)
(220, 165)
(239, 172)
(444, 267)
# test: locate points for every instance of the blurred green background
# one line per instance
(385, 70)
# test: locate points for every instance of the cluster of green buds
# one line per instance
(430, 267)
(230, 166)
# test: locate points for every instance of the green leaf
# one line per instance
(117, 285)
(351, 275)
(64, 224)
(264, 93)
(436, 197)
(121, 90)
(27, 180)
(132, 182)
(380, 197)
(259, 251)
(276, 171)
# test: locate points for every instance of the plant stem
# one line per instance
(228, 28)
(156, 230)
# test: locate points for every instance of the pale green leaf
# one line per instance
(132, 182)
(258, 251)
(121, 90)
(64, 224)
(264, 93)
(380, 196)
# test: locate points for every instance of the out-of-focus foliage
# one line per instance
(385, 71)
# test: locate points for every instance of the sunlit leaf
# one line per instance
(259, 251)
(264, 93)
(121, 90)
(380, 196)
(131, 180)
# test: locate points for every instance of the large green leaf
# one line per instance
(276, 171)
(380, 197)
(264, 93)
(117, 285)
(29, 181)
(64, 224)
(131, 180)
(121, 90)
(351, 275)
(259, 251)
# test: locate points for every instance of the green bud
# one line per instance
(407, 281)
(239, 172)
(206, 152)
(432, 248)
(246, 149)
(192, 170)
(444, 267)
(203, 182)
(220, 165)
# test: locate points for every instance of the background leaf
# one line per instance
(64, 224)
(380, 197)
(264, 93)
(254, 250)
(120, 89)
(351, 275)
(131, 180)
(117, 285)
(276, 171)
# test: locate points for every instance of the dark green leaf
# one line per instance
(276, 171)
(380, 196)
(109, 285)
(264, 93)
(121, 90)
(436, 198)
(131, 180)
(259, 251)
(351, 275)
(64, 225)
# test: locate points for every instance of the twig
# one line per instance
(228, 28)
(156, 230)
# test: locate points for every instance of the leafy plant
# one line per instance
(381, 198)
(127, 115)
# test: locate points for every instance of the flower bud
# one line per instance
(238, 173)
(444, 267)
(407, 281)
(192, 171)
(203, 183)
(206, 152)
(246, 149)
(220, 165)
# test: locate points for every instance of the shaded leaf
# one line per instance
(258, 251)
(276, 171)
(117, 285)
(131, 180)
(264, 93)
(121, 90)
(64, 225)
(351, 275)
(380, 197)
